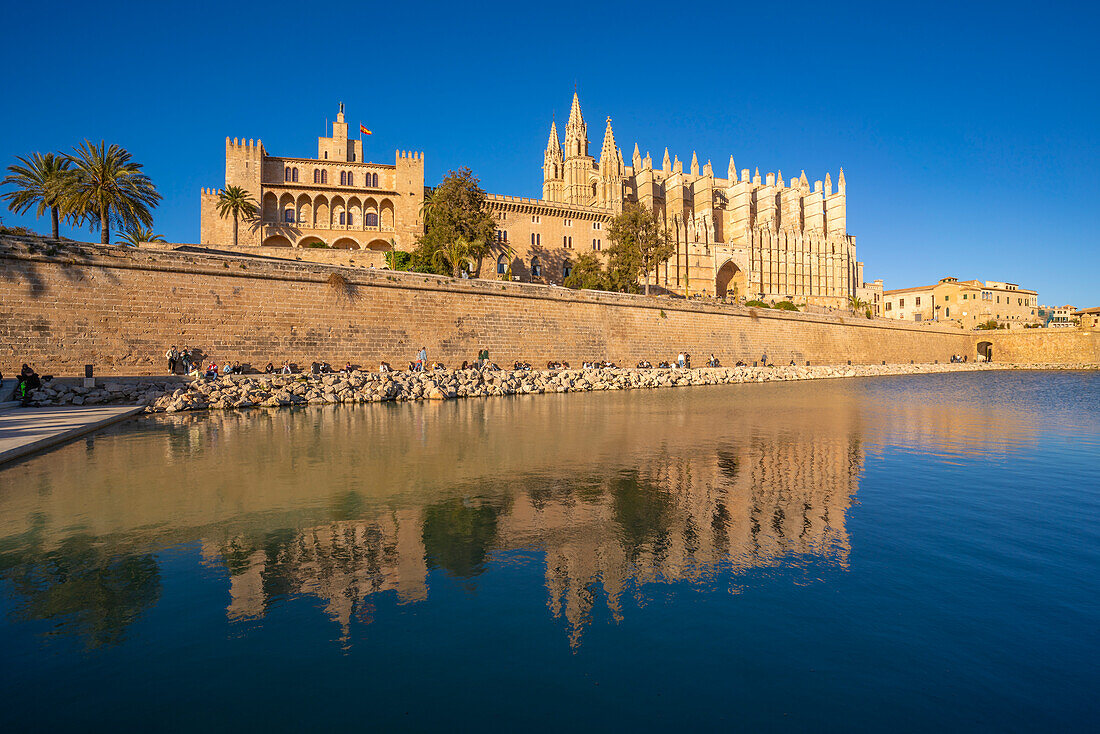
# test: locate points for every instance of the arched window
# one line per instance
(294, 175)
(316, 176)
(343, 217)
(372, 219)
(502, 265)
(374, 180)
(286, 174)
(351, 178)
(324, 177)
(343, 178)
(288, 215)
(536, 268)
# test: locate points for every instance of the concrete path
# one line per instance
(27, 430)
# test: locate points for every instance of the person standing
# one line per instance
(173, 357)
(421, 359)
(764, 359)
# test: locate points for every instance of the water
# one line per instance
(894, 554)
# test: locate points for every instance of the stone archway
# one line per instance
(985, 351)
(379, 246)
(345, 243)
(276, 240)
(729, 281)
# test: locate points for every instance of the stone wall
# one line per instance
(119, 309)
(1043, 346)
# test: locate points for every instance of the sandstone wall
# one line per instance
(119, 309)
(1043, 346)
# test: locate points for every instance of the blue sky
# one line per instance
(967, 132)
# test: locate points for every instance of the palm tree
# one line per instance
(238, 202)
(136, 235)
(39, 180)
(857, 304)
(107, 185)
(455, 254)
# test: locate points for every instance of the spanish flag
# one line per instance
(363, 129)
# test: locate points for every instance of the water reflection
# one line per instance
(615, 492)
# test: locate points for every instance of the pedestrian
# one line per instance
(680, 359)
(421, 359)
(482, 358)
(764, 359)
(172, 356)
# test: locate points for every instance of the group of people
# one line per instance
(959, 358)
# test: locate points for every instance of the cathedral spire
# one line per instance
(731, 171)
(828, 183)
(666, 164)
(636, 160)
(694, 164)
(576, 132)
(803, 182)
(840, 185)
(609, 154)
(552, 144)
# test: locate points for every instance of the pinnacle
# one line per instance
(575, 116)
(553, 143)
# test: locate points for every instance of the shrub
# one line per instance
(988, 325)
(756, 304)
(786, 306)
(318, 245)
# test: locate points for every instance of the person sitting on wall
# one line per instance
(347, 368)
(315, 368)
(792, 363)
(286, 368)
(25, 383)
(269, 369)
(227, 369)
(565, 365)
(740, 363)
(385, 367)
(212, 371)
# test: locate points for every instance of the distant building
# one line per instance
(967, 303)
(1089, 318)
(1055, 317)
(338, 198)
(871, 294)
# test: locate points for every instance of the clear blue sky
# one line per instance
(968, 133)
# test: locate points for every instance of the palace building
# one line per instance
(744, 236)
(336, 199)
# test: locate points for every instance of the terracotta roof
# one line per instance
(1083, 311)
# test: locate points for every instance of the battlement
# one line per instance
(204, 191)
(240, 146)
(407, 155)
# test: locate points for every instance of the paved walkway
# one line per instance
(26, 430)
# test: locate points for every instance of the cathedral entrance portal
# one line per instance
(726, 282)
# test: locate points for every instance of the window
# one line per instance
(947, 312)
(597, 225)
(353, 157)
(918, 300)
(901, 303)
(567, 242)
(536, 268)
(535, 219)
(568, 222)
(288, 216)
(374, 180)
(342, 218)
(964, 296)
(295, 172)
(502, 265)
(536, 239)
(316, 176)
(372, 219)
(566, 269)
(946, 299)
(286, 174)
(889, 306)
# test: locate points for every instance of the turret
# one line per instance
(731, 171)
(553, 173)
(576, 132)
(609, 190)
(665, 165)
(694, 164)
(636, 159)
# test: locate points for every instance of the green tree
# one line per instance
(456, 208)
(39, 182)
(638, 244)
(454, 255)
(988, 325)
(588, 273)
(134, 236)
(856, 304)
(398, 260)
(107, 187)
(236, 202)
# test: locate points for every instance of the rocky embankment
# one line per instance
(274, 391)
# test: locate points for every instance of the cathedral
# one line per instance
(744, 236)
